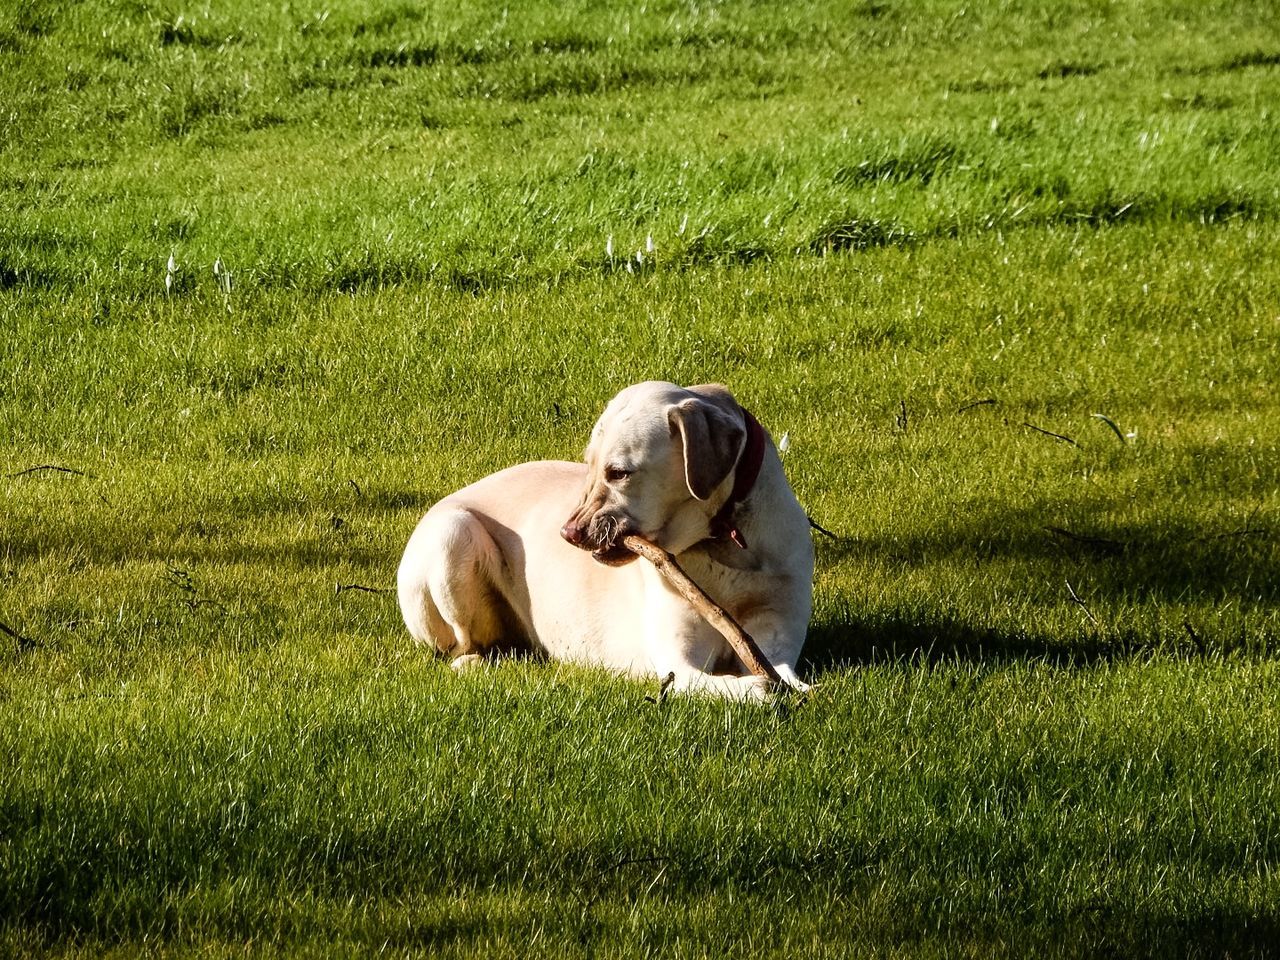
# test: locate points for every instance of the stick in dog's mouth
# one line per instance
(608, 533)
(746, 649)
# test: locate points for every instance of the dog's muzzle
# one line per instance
(602, 536)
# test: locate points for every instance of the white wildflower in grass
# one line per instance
(171, 268)
(648, 244)
(608, 247)
(785, 443)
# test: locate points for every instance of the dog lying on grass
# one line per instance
(531, 558)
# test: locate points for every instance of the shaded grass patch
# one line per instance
(859, 234)
(917, 162)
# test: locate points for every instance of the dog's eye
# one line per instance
(615, 474)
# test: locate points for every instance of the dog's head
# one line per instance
(657, 456)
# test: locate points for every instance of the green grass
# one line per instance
(946, 248)
(358, 144)
(375, 800)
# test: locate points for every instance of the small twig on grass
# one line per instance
(1112, 424)
(989, 401)
(182, 581)
(821, 529)
(343, 587)
(902, 416)
(356, 487)
(1081, 604)
(1248, 530)
(1230, 534)
(1195, 637)
(52, 468)
(193, 603)
(663, 688)
(1100, 543)
(24, 643)
(1050, 433)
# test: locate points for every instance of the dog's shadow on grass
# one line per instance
(851, 642)
(1101, 569)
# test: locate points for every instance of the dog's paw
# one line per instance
(467, 663)
(750, 689)
(759, 689)
(790, 681)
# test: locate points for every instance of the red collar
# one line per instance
(744, 481)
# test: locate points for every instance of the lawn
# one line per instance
(276, 277)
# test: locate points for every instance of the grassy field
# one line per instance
(275, 277)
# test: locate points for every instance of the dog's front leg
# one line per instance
(780, 636)
(694, 655)
(682, 646)
(750, 688)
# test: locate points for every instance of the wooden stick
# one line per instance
(26, 643)
(707, 608)
(50, 466)
(1050, 433)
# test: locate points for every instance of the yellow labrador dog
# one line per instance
(530, 558)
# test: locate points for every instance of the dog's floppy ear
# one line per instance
(712, 435)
